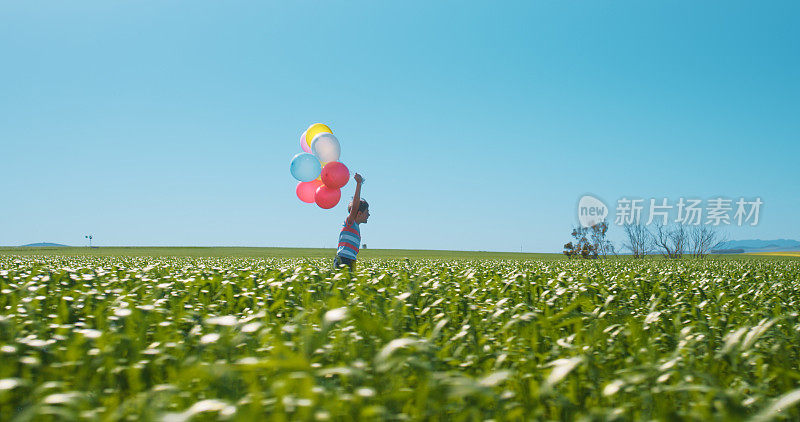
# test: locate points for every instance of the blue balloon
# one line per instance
(305, 167)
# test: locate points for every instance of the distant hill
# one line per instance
(758, 245)
(43, 245)
(727, 251)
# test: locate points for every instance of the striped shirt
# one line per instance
(349, 240)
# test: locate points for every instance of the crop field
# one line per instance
(239, 252)
(270, 338)
(788, 253)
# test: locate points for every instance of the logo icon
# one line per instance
(591, 211)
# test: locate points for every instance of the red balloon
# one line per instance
(306, 190)
(335, 175)
(327, 197)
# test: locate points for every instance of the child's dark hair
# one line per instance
(362, 206)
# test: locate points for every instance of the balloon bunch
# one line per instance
(318, 169)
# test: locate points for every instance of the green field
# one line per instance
(266, 253)
(276, 334)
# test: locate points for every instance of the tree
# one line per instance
(570, 250)
(601, 245)
(589, 242)
(671, 240)
(581, 246)
(703, 239)
(640, 240)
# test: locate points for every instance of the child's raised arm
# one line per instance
(356, 198)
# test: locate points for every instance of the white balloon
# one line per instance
(326, 147)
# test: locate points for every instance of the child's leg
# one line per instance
(341, 261)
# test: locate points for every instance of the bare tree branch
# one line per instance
(671, 240)
(703, 239)
(640, 240)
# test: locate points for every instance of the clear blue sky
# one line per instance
(478, 125)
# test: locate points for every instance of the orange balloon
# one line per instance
(315, 130)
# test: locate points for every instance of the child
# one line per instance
(350, 236)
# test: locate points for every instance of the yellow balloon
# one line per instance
(315, 130)
(322, 165)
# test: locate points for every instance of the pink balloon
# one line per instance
(335, 175)
(326, 197)
(304, 144)
(307, 190)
